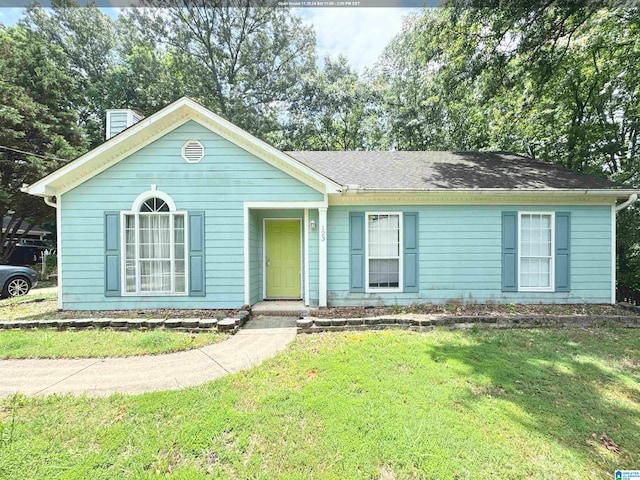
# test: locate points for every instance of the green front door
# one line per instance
(282, 259)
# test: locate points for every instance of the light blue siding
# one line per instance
(218, 185)
(460, 256)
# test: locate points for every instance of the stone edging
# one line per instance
(428, 322)
(229, 324)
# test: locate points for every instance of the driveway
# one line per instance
(104, 376)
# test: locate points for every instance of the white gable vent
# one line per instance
(192, 151)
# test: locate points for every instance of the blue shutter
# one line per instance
(112, 254)
(356, 251)
(509, 251)
(563, 251)
(411, 270)
(196, 254)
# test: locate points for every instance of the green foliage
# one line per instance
(334, 109)
(240, 61)
(37, 88)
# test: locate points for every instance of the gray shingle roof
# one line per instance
(445, 171)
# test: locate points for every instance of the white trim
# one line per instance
(247, 280)
(59, 247)
(144, 196)
(264, 255)
(400, 287)
(107, 131)
(306, 257)
(552, 266)
(184, 146)
(283, 205)
(160, 123)
(322, 257)
(123, 246)
(619, 193)
(614, 211)
(478, 197)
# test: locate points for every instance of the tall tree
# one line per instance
(89, 40)
(334, 109)
(36, 115)
(239, 60)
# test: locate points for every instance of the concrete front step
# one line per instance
(280, 308)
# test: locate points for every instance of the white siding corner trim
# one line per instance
(613, 254)
(306, 257)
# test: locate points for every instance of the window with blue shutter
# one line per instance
(356, 252)
(411, 260)
(112, 254)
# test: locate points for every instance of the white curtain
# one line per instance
(384, 251)
(155, 253)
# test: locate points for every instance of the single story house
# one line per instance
(183, 209)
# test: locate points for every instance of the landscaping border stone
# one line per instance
(181, 324)
(428, 322)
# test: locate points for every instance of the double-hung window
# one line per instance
(154, 249)
(384, 252)
(536, 262)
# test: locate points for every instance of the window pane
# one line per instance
(180, 284)
(384, 273)
(130, 276)
(155, 276)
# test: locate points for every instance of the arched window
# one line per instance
(154, 246)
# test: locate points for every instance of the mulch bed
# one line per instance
(490, 309)
(163, 313)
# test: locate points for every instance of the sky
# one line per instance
(358, 33)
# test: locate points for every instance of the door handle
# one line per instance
(268, 262)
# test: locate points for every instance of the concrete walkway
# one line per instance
(104, 376)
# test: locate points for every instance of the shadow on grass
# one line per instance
(571, 385)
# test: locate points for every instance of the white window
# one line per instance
(536, 262)
(383, 237)
(154, 238)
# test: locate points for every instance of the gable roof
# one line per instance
(155, 126)
(437, 170)
(331, 172)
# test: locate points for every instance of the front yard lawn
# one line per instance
(48, 343)
(44, 306)
(533, 404)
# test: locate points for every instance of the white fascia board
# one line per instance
(619, 193)
(173, 116)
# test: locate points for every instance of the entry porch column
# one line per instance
(322, 240)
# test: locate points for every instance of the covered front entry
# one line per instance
(282, 259)
(284, 254)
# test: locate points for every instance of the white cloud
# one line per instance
(358, 33)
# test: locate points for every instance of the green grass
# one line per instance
(380, 405)
(98, 343)
(44, 306)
